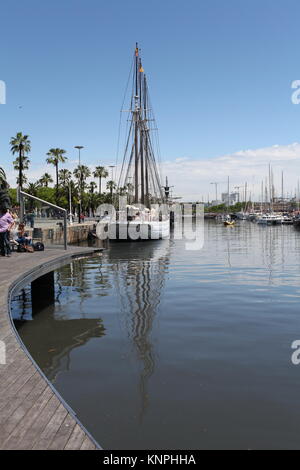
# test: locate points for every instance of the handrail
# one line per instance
(22, 193)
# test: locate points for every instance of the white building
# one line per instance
(233, 198)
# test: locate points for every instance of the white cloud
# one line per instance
(191, 178)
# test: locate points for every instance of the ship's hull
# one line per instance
(133, 230)
(269, 221)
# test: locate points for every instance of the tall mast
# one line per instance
(146, 143)
(270, 195)
(136, 150)
(228, 196)
(141, 137)
(139, 155)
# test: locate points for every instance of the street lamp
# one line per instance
(70, 203)
(112, 171)
(79, 147)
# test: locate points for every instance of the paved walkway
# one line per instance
(32, 414)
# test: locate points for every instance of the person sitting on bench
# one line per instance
(22, 238)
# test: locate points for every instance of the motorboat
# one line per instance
(270, 219)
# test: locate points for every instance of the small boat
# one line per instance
(287, 219)
(229, 223)
(252, 216)
(296, 222)
(270, 219)
(241, 215)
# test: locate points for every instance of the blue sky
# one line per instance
(220, 75)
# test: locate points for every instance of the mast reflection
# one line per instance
(139, 272)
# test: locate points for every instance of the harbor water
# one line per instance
(158, 347)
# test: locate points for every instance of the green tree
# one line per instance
(3, 182)
(100, 172)
(111, 186)
(64, 177)
(47, 194)
(65, 180)
(21, 145)
(92, 187)
(92, 197)
(56, 156)
(32, 189)
(81, 173)
(45, 180)
(12, 192)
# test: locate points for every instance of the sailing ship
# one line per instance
(269, 217)
(145, 214)
(227, 219)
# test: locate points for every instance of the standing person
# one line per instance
(31, 219)
(11, 227)
(6, 220)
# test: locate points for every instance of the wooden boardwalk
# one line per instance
(32, 414)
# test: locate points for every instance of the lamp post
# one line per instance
(70, 203)
(112, 171)
(79, 147)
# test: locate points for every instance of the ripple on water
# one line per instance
(159, 347)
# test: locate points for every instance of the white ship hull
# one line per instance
(133, 230)
(270, 220)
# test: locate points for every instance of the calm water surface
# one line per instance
(157, 347)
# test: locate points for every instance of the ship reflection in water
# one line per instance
(157, 347)
(53, 335)
(139, 284)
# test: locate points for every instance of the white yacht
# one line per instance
(270, 219)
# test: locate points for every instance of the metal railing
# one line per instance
(22, 194)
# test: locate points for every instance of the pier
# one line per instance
(32, 413)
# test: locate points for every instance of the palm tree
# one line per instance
(32, 189)
(100, 172)
(122, 190)
(45, 180)
(111, 185)
(92, 187)
(64, 176)
(81, 173)
(56, 156)
(21, 145)
(3, 182)
(65, 179)
(21, 178)
(92, 197)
